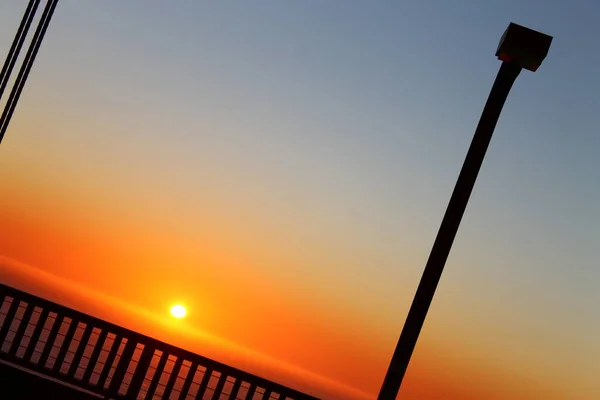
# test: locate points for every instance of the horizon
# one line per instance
(100, 305)
(282, 169)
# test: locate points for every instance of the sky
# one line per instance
(282, 169)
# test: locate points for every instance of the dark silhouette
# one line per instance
(50, 350)
(519, 48)
(13, 53)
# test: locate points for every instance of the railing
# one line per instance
(114, 362)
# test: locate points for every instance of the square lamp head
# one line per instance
(523, 46)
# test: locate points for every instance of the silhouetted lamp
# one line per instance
(523, 46)
(519, 48)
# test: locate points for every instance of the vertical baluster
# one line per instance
(172, 378)
(251, 391)
(204, 384)
(80, 350)
(51, 339)
(117, 379)
(157, 374)
(64, 348)
(267, 394)
(89, 369)
(110, 359)
(21, 330)
(220, 386)
(235, 389)
(188, 380)
(140, 372)
(8, 320)
(35, 336)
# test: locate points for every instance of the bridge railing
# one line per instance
(115, 362)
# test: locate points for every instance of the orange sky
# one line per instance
(162, 327)
(242, 307)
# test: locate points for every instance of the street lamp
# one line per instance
(519, 48)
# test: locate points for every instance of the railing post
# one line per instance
(202, 389)
(110, 359)
(140, 372)
(8, 320)
(58, 320)
(89, 369)
(16, 342)
(235, 389)
(173, 378)
(124, 360)
(65, 346)
(3, 294)
(157, 374)
(83, 342)
(188, 380)
(41, 322)
(251, 391)
(220, 386)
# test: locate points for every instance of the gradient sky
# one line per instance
(282, 167)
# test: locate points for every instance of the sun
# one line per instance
(178, 311)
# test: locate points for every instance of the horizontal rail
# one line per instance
(115, 362)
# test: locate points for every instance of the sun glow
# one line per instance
(178, 311)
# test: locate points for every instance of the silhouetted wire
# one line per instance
(17, 44)
(26, 67)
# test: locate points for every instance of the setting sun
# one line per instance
(178, 311)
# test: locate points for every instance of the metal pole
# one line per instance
(443, 243)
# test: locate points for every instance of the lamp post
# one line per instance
(519, 48)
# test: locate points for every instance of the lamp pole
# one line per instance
(519, 48)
